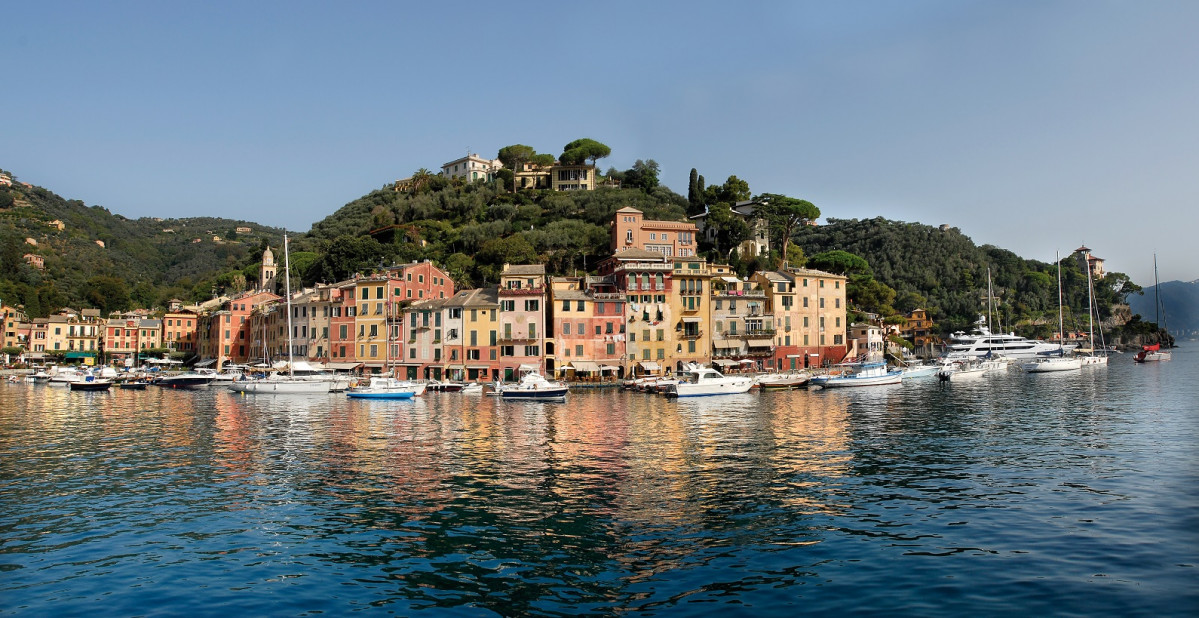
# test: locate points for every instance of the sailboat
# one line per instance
(309, 383)
(1058, 361)
(1093, 357)
(1154, 353)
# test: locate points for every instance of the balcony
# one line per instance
(607, 296)
(646, 266)
(689, 336)
(739, 293)
(728, 353)
(515, 338)
(753, 334)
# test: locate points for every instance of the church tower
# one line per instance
(266, 276)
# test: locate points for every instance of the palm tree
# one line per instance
(420, 179)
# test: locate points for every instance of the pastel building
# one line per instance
(522, 319)
(587, 328)
(472, 167)
(644, 277)
(471, 345)
(630, 230)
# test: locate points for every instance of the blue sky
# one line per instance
(1034, 126)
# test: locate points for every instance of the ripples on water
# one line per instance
(1047, 494)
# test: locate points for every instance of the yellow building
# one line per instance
(690, 303)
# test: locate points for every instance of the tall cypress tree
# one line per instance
(695, 200)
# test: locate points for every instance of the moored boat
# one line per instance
(873, 373)
(90, 383)
(384, 388)
(698, 381)
(783, 381)
(534, 386)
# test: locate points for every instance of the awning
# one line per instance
(760, 343)
(208, 362)
(692, 320)
(795, 356)
(648, 366)
(729, 279)
(70, 355)
(343, 366)
(611, 368)
(724, 363)
(585, 366)
(746, 361)
(725, 343)
(527, 368)
(458, 367)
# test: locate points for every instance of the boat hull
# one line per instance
(1053, 365)
(850, 381)
(272, 387)
(548, 394)
(94, 385)
(393, 395)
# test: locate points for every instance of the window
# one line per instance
(566, 305)
(505, 305)
(472, 355)
(532, 305)
(837, 303)
(566, 328)
(578, 305)
(661, 334)
(607, 328)
(578, 350)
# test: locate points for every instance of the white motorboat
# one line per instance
(962, 369)
(698, 381)
(386, 388)
(534, 386)
(474, 388)
(872, 373)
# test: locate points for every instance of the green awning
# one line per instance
(71, 355)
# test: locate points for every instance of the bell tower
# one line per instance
(266, 276)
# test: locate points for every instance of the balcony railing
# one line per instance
(607, 296)
(515, 337)
(740, 293)
(695, 335)
(754, 334)
(728, 353)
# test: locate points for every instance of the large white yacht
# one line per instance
(982, 342)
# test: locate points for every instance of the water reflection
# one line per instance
(614, 502)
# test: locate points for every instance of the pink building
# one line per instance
(630, 230)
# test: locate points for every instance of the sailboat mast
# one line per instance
(990, 299)
(287, 286)
(1061, 322)
(1091, 312)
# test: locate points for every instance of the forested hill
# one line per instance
(942, 270)
(473, 229)
(1180, 300)
(142, 263)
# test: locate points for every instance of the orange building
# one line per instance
(630, 230)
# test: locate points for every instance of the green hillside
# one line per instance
(142, 263)
(942, 270)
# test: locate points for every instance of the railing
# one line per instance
(515, 337)
(754, 334)
(607, 296)
(695, 335)
(740, 293)
(664, 266)
(739, 354)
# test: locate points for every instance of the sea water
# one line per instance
(1048, 494)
